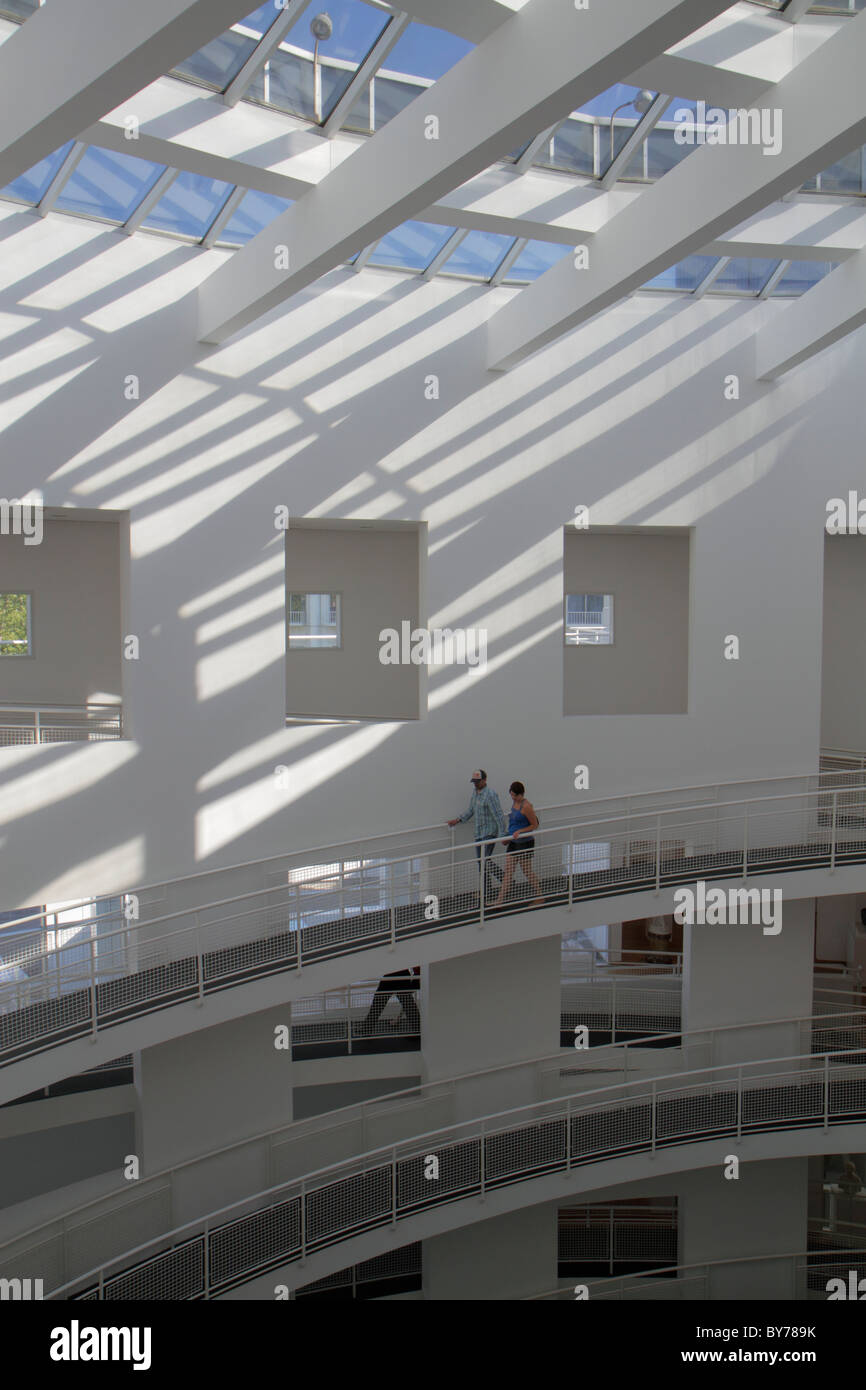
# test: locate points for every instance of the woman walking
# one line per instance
(519, 846)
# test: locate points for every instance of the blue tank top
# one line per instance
(517, 820)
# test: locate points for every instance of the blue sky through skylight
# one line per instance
(189, 206)
(107, 184)
(32, 185)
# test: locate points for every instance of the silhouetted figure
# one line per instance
(401, 985)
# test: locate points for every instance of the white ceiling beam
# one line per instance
(497, 201)
(268, 44)
(696, 202)
(546, 60)
(474, 20)
(796, 9)
(388, 39)
(691, 80)
(74, 61)
(822, 316)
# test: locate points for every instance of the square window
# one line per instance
(15, 626)
(589, 620)
(314, 621)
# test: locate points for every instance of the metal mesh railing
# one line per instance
(29, 724)
(333, 910)
(806, 1273)
(286, 1224)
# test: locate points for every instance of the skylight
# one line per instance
(534, 259)
(254, 212)
(478, 255)
(189, 206)
(743, 275)
(108, 185)
(411, 246)
(31, 186)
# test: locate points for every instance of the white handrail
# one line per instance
(343, 1117)
(711, 842)
(386, 1157)
(341, 849)
(597, 1287)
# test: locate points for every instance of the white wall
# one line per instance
(73, 577)
(322, 407)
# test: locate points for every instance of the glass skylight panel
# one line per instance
(744, 275)
(390, 96)
(189, 206)
(685, 275)
(108, 185)
(411, 246)
(253, 213)
(572, 148)
(478, 255)
(261, 19)
(219, 61)
(534, 259)
(33, 184)
(845, 176)
(801, 276)
(18, 9)
(426, 52)
(607, 102)
(294, 82)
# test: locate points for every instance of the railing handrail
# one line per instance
(560, 1057)
(114, 706)
(633, 1090)
(370, 840)
(428, 854)
(654, 1271)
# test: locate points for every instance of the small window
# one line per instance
(15, 626)
(589, 620)
(314, 621)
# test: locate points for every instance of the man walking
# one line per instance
(486, 811)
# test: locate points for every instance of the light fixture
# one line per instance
(321, 28)
(641, 103)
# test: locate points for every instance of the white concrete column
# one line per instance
(736, 974)
(491, 1008)
(762, 1212)
(211, 1088)
(507, 1257)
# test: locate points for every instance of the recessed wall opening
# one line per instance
(61, 659)
(626, 620)
(843, 668)
(347, 582)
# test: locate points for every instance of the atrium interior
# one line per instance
(361, 937)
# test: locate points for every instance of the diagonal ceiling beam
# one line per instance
(72, 62)
(697, 201)
(474, 20)
(796, 9)
(824, 314)
(541, 64)
(387, 40)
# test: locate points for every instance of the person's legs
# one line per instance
(491, 862)
(411, 1015)
(506, 881)
(377, 1007)
(529, 873)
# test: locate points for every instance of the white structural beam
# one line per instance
(474, 20)
(697, 201)
(824, 314)
(72, 62)
(698, 81)
(546, 60)
(796, 9)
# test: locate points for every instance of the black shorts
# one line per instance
(521, 846)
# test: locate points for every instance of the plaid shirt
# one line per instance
(487, 810)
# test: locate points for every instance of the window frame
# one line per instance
(29, 654)
(589, 593)
(337, 624)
